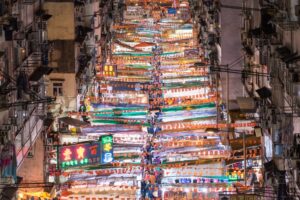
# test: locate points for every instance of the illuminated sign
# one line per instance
(171, 10)
(107, 155)
(79, 154)
(191, 53)
(110, 70)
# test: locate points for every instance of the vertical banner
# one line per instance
(107, 154)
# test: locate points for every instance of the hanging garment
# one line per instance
(9, 169)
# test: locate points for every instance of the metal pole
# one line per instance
(227, 102)
(217, 90)
(245, 160)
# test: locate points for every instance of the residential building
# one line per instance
(24, 42)
(270, 36)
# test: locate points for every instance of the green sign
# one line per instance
(107, 155)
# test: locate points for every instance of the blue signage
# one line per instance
(107, 155)
(172, 11)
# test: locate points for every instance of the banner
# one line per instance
(210, 153)
(215, 169)
(201, 125)
(188, 53)
(204, 142)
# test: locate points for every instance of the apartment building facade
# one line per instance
(270, 38)
(24, 62)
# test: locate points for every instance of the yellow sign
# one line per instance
(107, 147)
(110, 70)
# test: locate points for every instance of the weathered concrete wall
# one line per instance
(62, 57)
(68, 80)
(231, 47)
(61, 25)
(68, 100)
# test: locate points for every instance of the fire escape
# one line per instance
(22, 88)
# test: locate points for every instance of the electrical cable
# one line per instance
(244, 72)
(14, 81)
(239, 7)
(235, 62)
(23, 103)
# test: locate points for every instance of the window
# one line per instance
(57, 89)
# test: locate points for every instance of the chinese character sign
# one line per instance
(107, 149)
(110, 70)
(79, 154)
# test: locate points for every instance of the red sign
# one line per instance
(79, 154)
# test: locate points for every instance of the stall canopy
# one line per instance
(73, 122)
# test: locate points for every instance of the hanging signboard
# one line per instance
(131, 86)
(202, 125)
(189, 53)
(82, 154)
(172, 11)
(110, 70)
(106, 149)
(79, 154)
(239, 197)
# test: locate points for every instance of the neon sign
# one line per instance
(106, 149)
(110, 70)
(79, 154)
